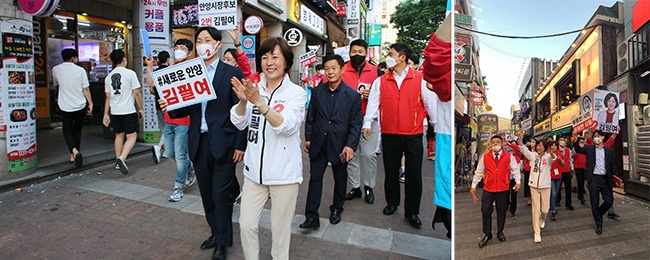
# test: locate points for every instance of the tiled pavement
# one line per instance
(572, 236)
(100, 214)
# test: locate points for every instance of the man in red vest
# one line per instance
(360, 74)
(565, 154)
(401, 100)
(494, 168)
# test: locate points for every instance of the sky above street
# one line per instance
(503, 61)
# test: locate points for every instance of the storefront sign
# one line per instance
(460, 102)
(17, 94)
(312, 20)
(477, 96)
(543, 127)
(463, 72)
(253, 24)
(563, 118)
(581, 123)
(41, 70)
(527, 124)
(353, 11)
(154, 18)
(341, 10)
(248, 46)
(221, 14)
(308, 58)
(293, 36)
(375, 35)
(488, 126)
(463, 49)
(462, 19)
(640, 15)
(184, 84)
(42, 8)
(185, 15)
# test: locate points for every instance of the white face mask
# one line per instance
(598, 140)
(321, 72)
(496, 148)
(390, 62)
(206, 51)
(562, 143)
(180, 54)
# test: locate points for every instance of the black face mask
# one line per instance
(357, 59)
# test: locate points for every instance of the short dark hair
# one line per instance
(320, 66)
(608, 96)
(403, 49)
(382, 65)
(232, 52)
(359, 42)
(494, 136)
(336, 57)
(269, 45)
(68, 54)
(117, 56)
(415, 58)
(214, 33)
(163, 57)
(544, 143)
(600, 132)
(186, 42)
(581, 138)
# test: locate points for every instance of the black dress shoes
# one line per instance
(390, 209)
(311, 224)
(582, 201)
(354, 193)
(484, 241)
(613, 216)
(219, 253)
(335, 217)
(414, 220)
(501, 237)
(370, 196)
(208, 243)
(599, 230)
(570, 207)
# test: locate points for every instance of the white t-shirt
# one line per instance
(71, 80)
(119, 84)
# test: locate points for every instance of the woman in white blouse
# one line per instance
(539, 182)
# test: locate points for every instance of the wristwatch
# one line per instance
(237, 44)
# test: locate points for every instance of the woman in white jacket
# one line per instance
(273, 111)
(539, 182)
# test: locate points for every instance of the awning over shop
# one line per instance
(566, 130)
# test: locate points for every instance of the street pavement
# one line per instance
(100, 214)
(572, 236)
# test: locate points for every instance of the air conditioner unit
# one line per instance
(622, 58)
(646, 115)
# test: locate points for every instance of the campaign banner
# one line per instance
(308, 58)
(222, 14)
(604, 107)
(154, 18)
(184, 84)
(18, 94)
(527, 124)
(343, 52)
(582, 123)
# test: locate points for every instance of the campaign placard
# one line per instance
(184, 84)
(308, 58)
(221, 14)
(604, 108)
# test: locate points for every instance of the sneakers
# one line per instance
(121, 164)
(155, 152)
(402, 178)
(554, 215)
(613, 216)
(177, 195)
(117, 166)
(191, 177)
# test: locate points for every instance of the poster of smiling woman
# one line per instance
(605, 110)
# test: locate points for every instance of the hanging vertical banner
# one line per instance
(18, 102)
(155, 19)
(150, 125)
(488, 126)
(353, 11)
(375, 35)
(221, 14)
(477, 96)
(40, 68)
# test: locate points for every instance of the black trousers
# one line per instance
(580, 176)
(525, 182)
(411, 147)
(566, 179)
(512, 202)
(317, 171)
(501, 201)
(599, 185)
(215, 180)
(73, 122)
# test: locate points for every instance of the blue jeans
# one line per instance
(175, 137)
(555, 190)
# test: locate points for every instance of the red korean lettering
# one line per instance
(186, 92)
(202, 86)
(170, 96)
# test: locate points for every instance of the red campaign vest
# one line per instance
(526, 164)
(556, 166)
(580, 161)
(566, 157)
(402, 110)
(496, 177)
(368, 76)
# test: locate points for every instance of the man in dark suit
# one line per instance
(332, 132)
(215, 144)
(599, 171)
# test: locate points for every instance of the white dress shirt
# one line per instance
(429, 99)
(600, 161)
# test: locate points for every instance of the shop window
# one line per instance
(544, 108)
(567, 95)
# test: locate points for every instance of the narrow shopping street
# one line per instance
(100, 214)
(572, 236)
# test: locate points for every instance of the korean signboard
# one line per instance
(221, 14)
(604, 106)
(248, 46)
(527, 124)
(184, 84)
(488, 126)
(18, 94)
(353, 11)
(155, 19)
(463, 72)
(310, 19)
(308, 58)
(375, 35)
(463, 48)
